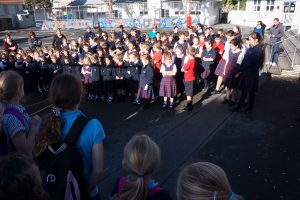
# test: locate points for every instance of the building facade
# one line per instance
(13, 14)
(208, 11)
(266, 10)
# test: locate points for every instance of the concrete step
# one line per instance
(295, 72)
(276, 70)
(283, 62)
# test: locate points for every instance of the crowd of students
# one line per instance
(119, 66)
(114, 66)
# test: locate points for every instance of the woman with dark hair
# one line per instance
(249, 72)
(9, 45)
(33, 41)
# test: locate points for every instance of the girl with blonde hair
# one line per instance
(204, 181)
(141, 160)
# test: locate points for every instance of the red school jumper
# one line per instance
(189, 67)
(157, 57)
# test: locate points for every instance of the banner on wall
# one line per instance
(64, 24)
(146, 23)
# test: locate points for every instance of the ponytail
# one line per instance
(141, 158)
(50, 132)
(135, 188)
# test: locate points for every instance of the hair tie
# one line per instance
(56, 111)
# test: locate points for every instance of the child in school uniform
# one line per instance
(168, 87)
(146, 81)
(235, 58)
(157, 58)
(208, 57)
(198, 67)
(45, 74)
(119, 73)
(221, 65)
(108, 79)
(182, 42)
(96, 71)
(178, 60)
(87, 76)
(132, 75)
(189, 78)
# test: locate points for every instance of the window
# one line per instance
(289, 7)
(117, 14)
(270, 5)
(143, 9)
(144, 12)
(165, 13)
(257, 5)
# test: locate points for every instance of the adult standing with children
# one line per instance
(9, 45)
(276, 33)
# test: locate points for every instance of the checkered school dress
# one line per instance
(145, 94)
(168, 84)
(220, 68)
(231, 69)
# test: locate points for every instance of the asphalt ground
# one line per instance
(259, 151)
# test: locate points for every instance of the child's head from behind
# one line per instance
(65, 94)
(141, 156)
(66, 91)
(11, 86)
(141, 159)
(203, 180)
(20, 178)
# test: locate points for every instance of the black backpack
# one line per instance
(61, 167)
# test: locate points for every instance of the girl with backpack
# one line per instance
(138, 184)
(65, 94)
(19, 130)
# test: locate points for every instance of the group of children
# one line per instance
(24, 139)
(112, 67)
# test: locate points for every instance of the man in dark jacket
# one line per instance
(57, 39)
(276, 33)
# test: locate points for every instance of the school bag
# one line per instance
(61, 167)
(3, 138)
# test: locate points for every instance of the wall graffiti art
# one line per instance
(146, 23)
(64, 24)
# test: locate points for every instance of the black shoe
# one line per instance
(146, 105)
(225, 101)
(205, 89)
(216, 92)
(248, 110)
(231, 103)
(236, 109)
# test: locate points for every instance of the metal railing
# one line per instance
(280, 42)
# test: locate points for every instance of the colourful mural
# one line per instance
(64, 24)
(146, 23)
(115, 23)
